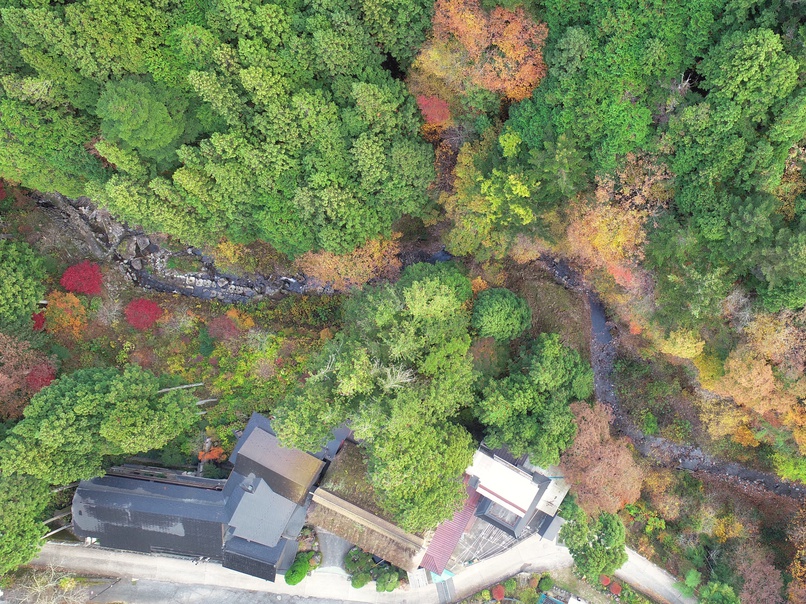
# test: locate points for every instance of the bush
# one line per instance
(359, 580)
(223, 328)
(545, 583)
(529, 596)
(65, 315)
(83, 278)
(40, 376)
(498, 313)
(485, 595)
(498, 593)
(299, 569)
(387, 579)
(446, 273)
(142, 314)
(510, 585)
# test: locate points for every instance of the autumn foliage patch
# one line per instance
(83, 278)
(142, 314)
(39, 321)
(376, 259)
(39, 377)
(498, 593)
(504, 47)
(223, 328)
(434, 109)
(65, 315)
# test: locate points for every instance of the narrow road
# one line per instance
(151, 579)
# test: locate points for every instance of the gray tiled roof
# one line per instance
(289, 472)
(145, 516)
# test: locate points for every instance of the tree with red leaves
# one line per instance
(434, 109)
(223, 328)
(215, 454)
(83, 278)
(23, 372)
(604, 580)
(39, 377)
(499, 592)
(142, 313)
(39, 321)
(615, 589)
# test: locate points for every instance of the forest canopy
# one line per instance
(233, 118)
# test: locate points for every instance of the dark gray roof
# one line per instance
(290, 473)
(550, 526)
(262, 515)
(250, 521)
(258, 560)
(145, 516)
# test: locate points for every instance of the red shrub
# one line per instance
(39, 321)
(223, 328)
(2, 191)
(615, 589)
(40, 376)
(604, 580)
(434, 109)
(142, 314)
(499, 592)
(83, 278)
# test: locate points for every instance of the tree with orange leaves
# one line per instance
(500, 51)
(377, 258)
(65, 315)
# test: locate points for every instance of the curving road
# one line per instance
(151, 579)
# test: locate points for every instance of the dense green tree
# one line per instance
(715, 592)
(400, 27)
(499, 313)
(417, 470)
(72, 424)
(528, 411)
(143, 116)
(23, 500)
(304, 139)
(597, 547)
(21, 281)
(44, 149)
(400, 372)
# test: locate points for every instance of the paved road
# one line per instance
(650, 579)
(161, 580)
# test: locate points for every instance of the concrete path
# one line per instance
(650, 579)
(333, 550)
(159, 580)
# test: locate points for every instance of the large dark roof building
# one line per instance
(250, 521)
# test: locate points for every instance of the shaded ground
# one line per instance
(333, 549)
(555, 308)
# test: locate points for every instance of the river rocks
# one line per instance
(127, 249)
(134, 250)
